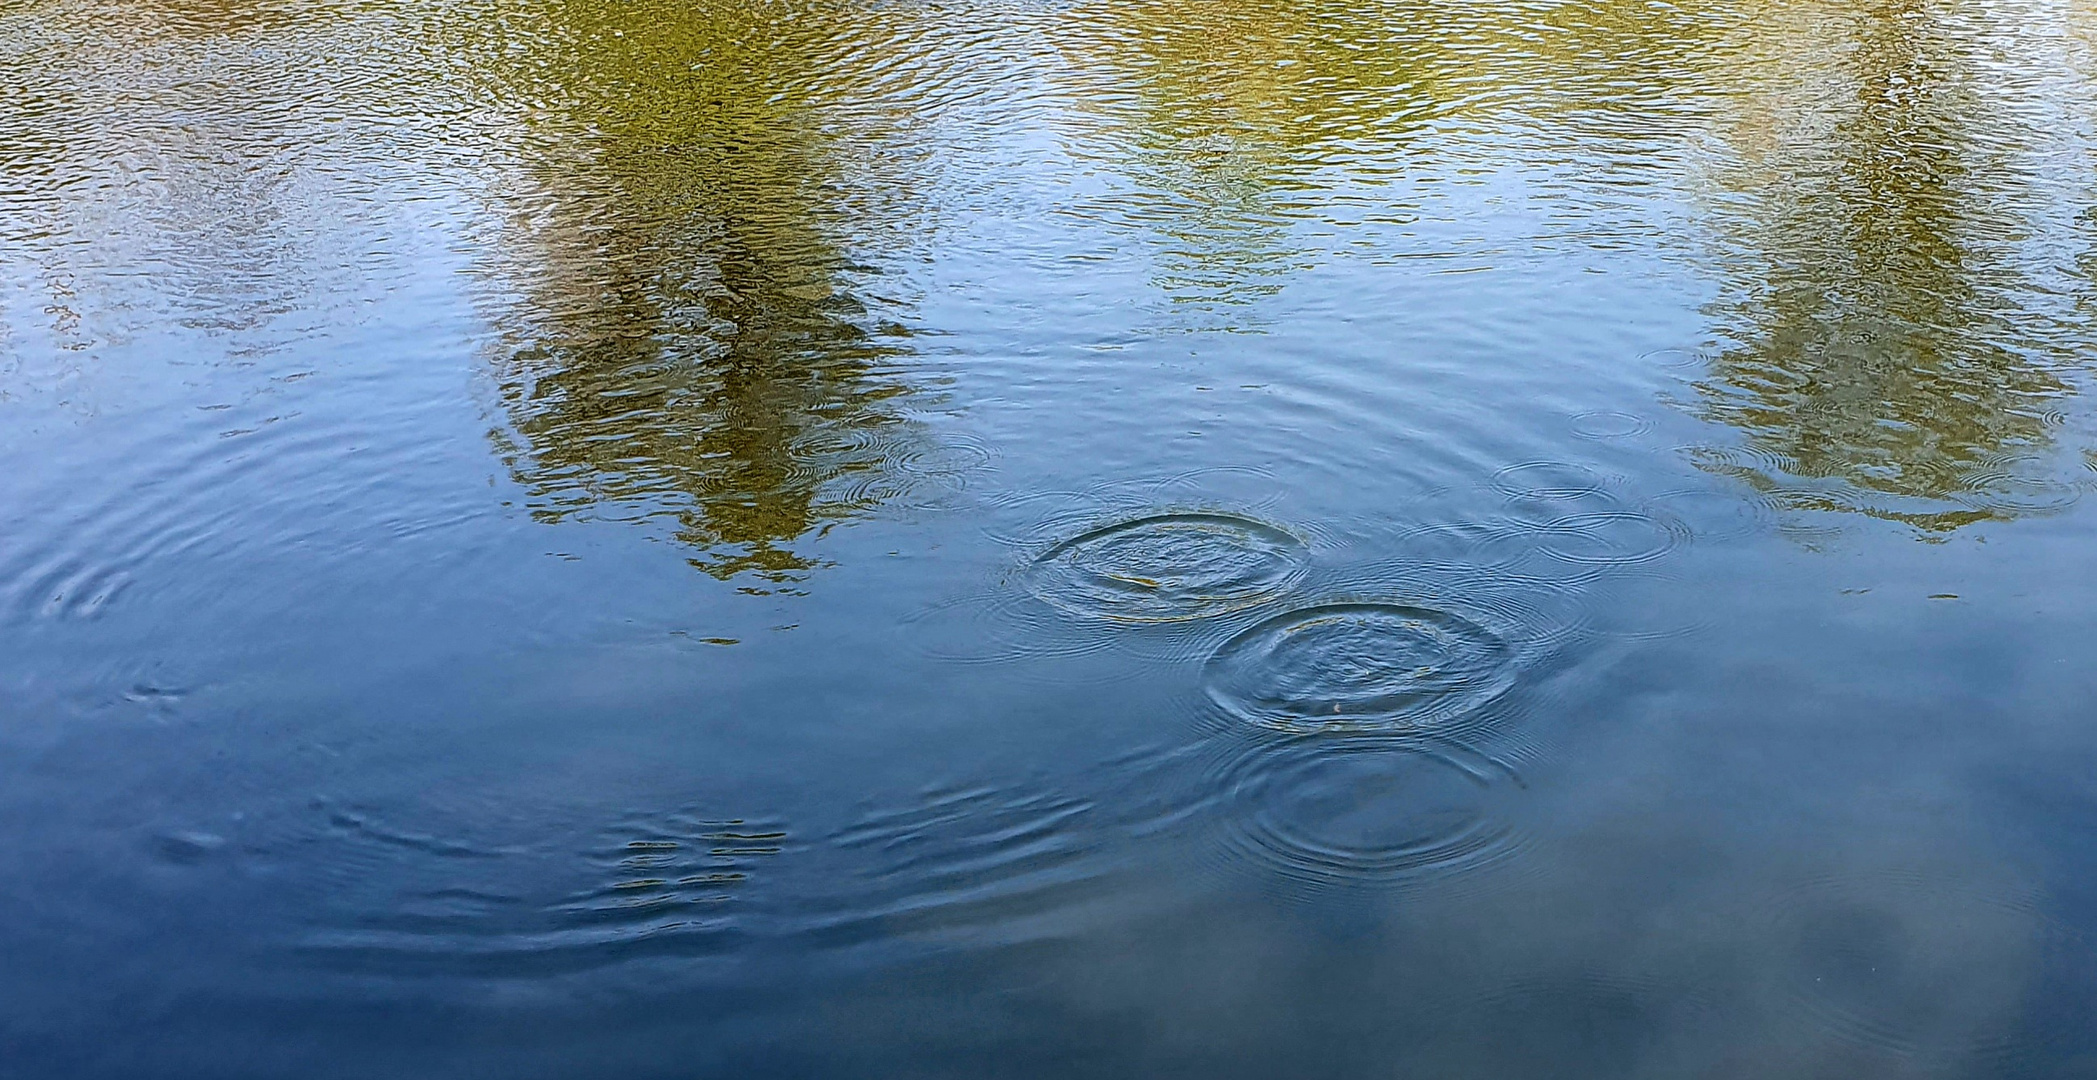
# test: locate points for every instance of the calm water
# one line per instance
(1144, 538)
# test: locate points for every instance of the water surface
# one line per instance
(1133, 538)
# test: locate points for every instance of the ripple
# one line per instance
(1169, 567)
(74, 592)
(1676, 358)
(1022, 519)
(1717, 515)
(906, 469)
(992, 861)
(1548, 480)
(1756, 467)
(1609, 424)
(1360, 666)
(1321, 810)
(658, 889)
(1611, 539)
(1490, 543)
(2017, 486)
(2000, 487)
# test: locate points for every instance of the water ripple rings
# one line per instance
(1676, 358)
(1547, 480)
(2016, 486)
(1169, 567)
(1478, 545)
(1609, 424)
(1718, 515)
(1611, 539)
(664, 889)
(1360, 666)
(973, 862)
(1365, 810)
(1759, 469)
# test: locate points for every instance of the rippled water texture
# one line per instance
(1370, 811)
(1349, 665)
(1169, 568)
(1223, 538)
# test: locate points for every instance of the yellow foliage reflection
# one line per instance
(1882, 360)
(692, 344)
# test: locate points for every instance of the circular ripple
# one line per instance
(1344, 667)
(1676, 358)
(1611, 539)
(2014, 486)
(1609, 424)
(1486, 544)
(1169, 567)
(1547, 480)
(1718, 515)
(1363, 810)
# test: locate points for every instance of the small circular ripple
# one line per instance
(1761, 470)
(2015, 486)
(1548, 480)
(1717, 515)
(1363, 810)
(905, 466)
(1488, 544)
(1611, 539)
(1169, 567)
(1676, 358)
(1609, 424)
(1360, 666)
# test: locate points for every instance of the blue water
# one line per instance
(1181, 538)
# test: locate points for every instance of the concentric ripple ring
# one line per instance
(1360, 667)
(1169, 567)
(1368, 810)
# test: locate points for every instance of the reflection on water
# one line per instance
(694, 343)
(1886, 363)
(1428, 684)
(1224, 115)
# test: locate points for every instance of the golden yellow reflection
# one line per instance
(691, 343)
(1880, 364)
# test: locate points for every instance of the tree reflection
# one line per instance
(1225, 113)
(690, 345)
(1880, 359)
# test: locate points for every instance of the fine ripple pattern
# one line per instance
(1320, 810)
(1169, 567)
(1612, 539)
(1676, 358)
(2013, 486)
(1609, 424)
(982, 862)
(1375, 666)
(1717, 515)
(660, 889)
(1548, 480)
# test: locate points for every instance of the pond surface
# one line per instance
(676, 538)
